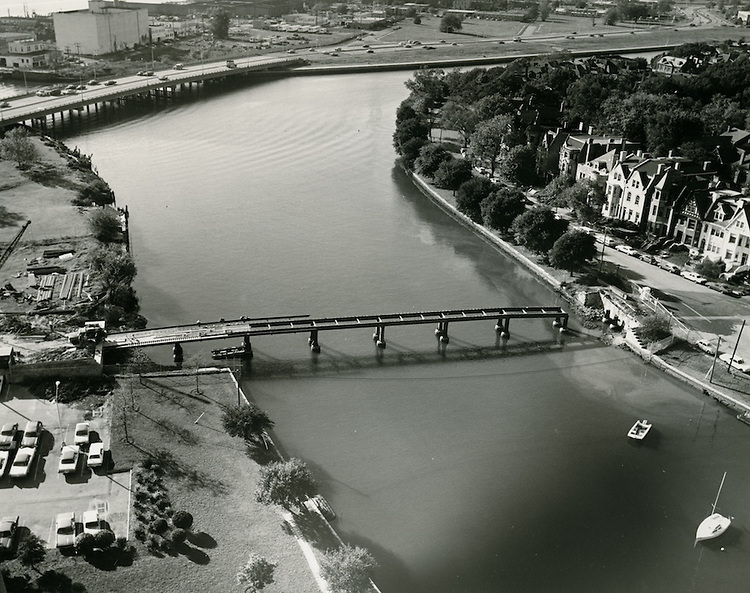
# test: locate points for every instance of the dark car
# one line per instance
(8, 526)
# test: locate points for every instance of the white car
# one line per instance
(693, 277)
(706, 346)
(32, 433)
(737, 362)
(22, 463)
(91, 522)
(626, 249)
(82, 434)
(68, 459)
(8, 436)
(65, 530)
(96, 455)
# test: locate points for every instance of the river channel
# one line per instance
(489, 467)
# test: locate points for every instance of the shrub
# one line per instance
(654, 328)
(104, 224)
(97, 193)
(179, 536)
(182, 520)
(104, 539)
(140, 534)
(85, 543)
(159, 526)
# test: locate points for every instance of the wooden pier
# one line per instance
(249, 328)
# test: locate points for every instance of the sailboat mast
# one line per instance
(713, 509)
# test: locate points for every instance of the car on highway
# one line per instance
(4, 104)
(22, 463)
(96, 455)
(92, 82)
(82, 434)
(693, 277)
(705, 346)
(65, 530)
(92, 523)
(737, 362)
(8, 436)
(8, 526)
(110, 82)
(164, 77)
(4, 462)
(68, 463)
(626, 249)
(32, 433)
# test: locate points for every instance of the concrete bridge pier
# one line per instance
(379, 337)
(248, 346)
(313, 341)
(442, 332)
(503, 327)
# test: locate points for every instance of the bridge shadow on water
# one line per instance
(332, 361)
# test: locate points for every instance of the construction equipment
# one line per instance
(12, 245)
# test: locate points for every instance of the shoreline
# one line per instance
(736, 401)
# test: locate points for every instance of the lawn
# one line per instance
(176, 420)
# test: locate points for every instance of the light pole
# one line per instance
(57, 404)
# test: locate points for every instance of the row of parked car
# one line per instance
(66, 529)
(736, 361)
(25, 445)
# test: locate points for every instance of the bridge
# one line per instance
(33, 109)
(250, 328)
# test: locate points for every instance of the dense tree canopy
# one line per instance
(488, 140)
(430, 157)
(452, 173)
(538, 229)
(17, 146)
(470, 195)
(450, 23)
(348, 569)
(502, 207)
(571, 251)
(247, 421)
(286, 483)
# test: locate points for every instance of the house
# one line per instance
(27, 54)
(725, 232)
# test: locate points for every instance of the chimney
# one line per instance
(706, 165)
(623, 154)
(670, 155)
(591, 130)
(660, 169)
(639, 153)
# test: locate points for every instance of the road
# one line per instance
(709, 312)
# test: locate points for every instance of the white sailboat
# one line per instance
(715, 524)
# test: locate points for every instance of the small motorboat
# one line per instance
(744, 417)
(233, 352)
(715, 524)
(639, 430)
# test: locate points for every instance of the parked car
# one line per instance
(626, 249)
(669, 267)
(608, 241)
(22, 463)
(82, 434)
(4, 462)
(110, 82)
(65, 530)
(92, 82)
(164, 77)
(96, 455)
(68, 459)
(91, 522)
(8, 436)
(693, 277)
(737, 362)
(8, 526)
(32, 433)
(706, 346)
(647, 257)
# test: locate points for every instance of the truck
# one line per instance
(231, 64)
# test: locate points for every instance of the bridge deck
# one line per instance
(298, 324)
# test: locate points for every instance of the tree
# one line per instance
(518, 165)
(220, 24)
(538, 229)
(179, 536)
(452, 173)
(411, 125)
(18, 146)
(544, 10)
(428, 89)
(470, 195)
(462, 118)
(256, 573)
(286, 483)
(113, 266)
(348, 569)
(104, 539)
(417, 20)
(410, 150)
(431, 155)
(502, 207)
(710, 268)
(571, 251)
(31, 551)
(487, 141)
(104, 224)
(247, 421)
(450, 23)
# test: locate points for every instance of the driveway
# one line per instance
(38, 498)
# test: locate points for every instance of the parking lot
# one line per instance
(45, 492)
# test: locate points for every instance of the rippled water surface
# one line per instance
(485, 468)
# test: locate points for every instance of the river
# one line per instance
(485, 468)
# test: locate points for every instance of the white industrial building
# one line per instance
(102, 28)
